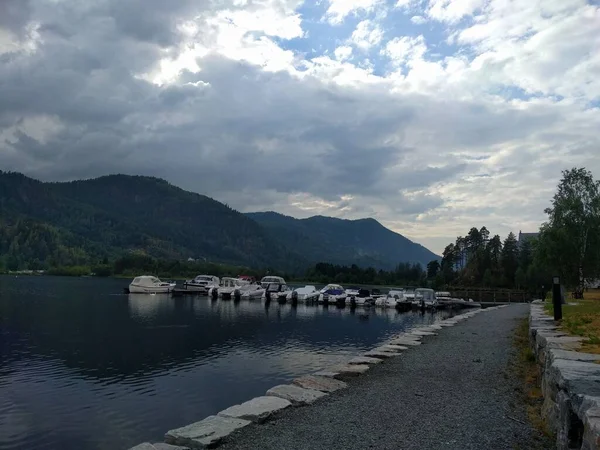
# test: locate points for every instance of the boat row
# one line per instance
(275, 288)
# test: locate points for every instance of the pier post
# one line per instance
(556, 298)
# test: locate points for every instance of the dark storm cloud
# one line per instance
(14, 15)
(231, 127)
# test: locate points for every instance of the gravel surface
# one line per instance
(456, 391)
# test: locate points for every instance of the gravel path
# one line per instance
(456, 391)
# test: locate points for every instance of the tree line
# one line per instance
(404, 274)
(568, 245)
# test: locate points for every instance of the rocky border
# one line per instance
(570, 383)
(305, 390)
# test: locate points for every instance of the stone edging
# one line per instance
(211, 432)
(570, 383)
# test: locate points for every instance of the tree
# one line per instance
(433, 268)
(494, 248)
(525, 255)
(570, 240)
(474, 241)
(439, 281)
(460, 250)
(510, 258)
(487, 278)
(448, 262)
(520, 278)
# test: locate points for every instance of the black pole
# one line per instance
(556, 298)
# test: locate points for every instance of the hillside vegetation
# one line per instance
(90, 222)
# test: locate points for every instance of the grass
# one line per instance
(527, 371)
(582, 318)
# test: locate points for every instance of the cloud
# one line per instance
(366, 35)
(528, 47)
(452, 11)
(402, 50)
(418, 20)
(343, 53)
(339, 9)
(431, 135)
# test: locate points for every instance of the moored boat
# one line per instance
(426, 298)
(228, 287)
(392, 299)
(364, 298)
(250, 291)
(269, 279)
(201, 283)
(332, 293)
(149, 284)
(304, 294)
(277, 291)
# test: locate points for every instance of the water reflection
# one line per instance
(81, 367)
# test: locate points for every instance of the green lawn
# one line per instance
(582, 318)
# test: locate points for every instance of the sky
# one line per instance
(431, 116)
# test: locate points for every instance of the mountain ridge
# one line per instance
(74, 222)
(361, 241)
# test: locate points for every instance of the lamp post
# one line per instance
(556, 298)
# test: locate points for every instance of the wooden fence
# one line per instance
(483, 295)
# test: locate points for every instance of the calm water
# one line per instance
(82, 366)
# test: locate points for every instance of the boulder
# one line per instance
(347, 370)
(323, 384)
(365, 360)
(423, 333)
(157, 446)
(295, 394)
(258, 409)
(412, 340)
(393, 347)
(327, 373)
(206, 433)
(380, 353)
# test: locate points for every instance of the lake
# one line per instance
(84, 366)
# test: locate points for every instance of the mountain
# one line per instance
(86, 221)
(363, 242)
(83, 221)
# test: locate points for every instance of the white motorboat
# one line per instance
(276, 288)
(304, 294)
(227, 288)
(392, 299)
(409, 294)
(250, 291)
(332, 293)
(266, 281)
(148, 284)
(202, 283)
(426, 298)
(352, 292)
(363, 298)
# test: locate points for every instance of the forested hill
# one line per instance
(81, 222)
(84, 222)
(363, 242)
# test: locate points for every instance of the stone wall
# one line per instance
(570, 383)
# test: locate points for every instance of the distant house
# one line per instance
(526, 237)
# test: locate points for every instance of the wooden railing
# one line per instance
(483, 295)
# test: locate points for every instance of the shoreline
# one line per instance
(303, 391)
